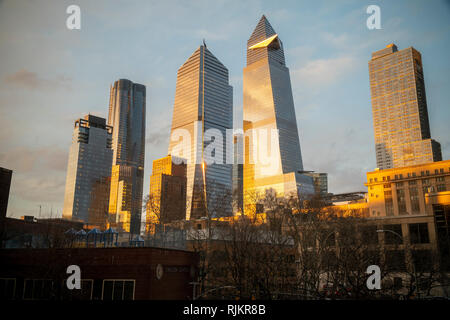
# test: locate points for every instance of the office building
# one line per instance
(127, 117)
(403, 191)
(238, 173)
(5, 185)
(88, 169)
(399, 108)
(203, 111)
(320, 182)
(272, 147)
(167, 197)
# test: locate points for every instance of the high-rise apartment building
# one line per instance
(127, 117)
(320, 182)
(5, 185)
(399, 108)
(272, 147)
(89, 166)
(167, 197)
(203, 107)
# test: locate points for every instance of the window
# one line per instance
(439, 179)
(37, 289)
(418, 233)
(401, 201)
(389, 206)
(412, 182)
(440, 187)
(7, 289)
(118, 290)
(393, 234)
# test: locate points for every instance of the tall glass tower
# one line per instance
(273, 158)
(89, 167)
(399, 108)
(203, 108)
(127, 117)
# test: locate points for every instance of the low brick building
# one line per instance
(106, 273)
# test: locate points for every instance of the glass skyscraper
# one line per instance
(127, 117)
(203, 102)
(88, 170)
(273, 158)
(399, 108)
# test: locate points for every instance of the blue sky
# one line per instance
(50, 76)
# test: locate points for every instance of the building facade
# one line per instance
(88, 169)
(399, 108)
(414, 203)
(167, 197)
(402, 191)
(106, 274)
(238, 173)
(5, 185)
(127, 108)
(272, 147)
(202, 113)
(320, 182)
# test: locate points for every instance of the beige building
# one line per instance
(399, 109)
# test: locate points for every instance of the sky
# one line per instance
(50, 76)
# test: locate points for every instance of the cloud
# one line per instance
(158, 138)
(26, 160)
(323, 71)
(32, 80)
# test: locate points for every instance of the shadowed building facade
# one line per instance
(167, 198)
(399, 108)
(127, 116)
(272, 146)
(89, 166)
(202, 114)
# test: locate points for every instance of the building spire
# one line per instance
(204, 43)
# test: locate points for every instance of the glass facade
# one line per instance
(399, 108)
(88, 170)
(203, 102)
(269, 109)
(127, 116)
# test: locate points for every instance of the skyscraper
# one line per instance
(167, 198)
(272, 147)
(127, 116)
(203, 106)
(399, 108)
(88, 169)
(5, 185)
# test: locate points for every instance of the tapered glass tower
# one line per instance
(273, 158)
(201, 115)
(127, 117)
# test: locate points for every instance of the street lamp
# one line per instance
(413, 264)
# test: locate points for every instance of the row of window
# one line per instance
(411, 175)
(44, 289)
